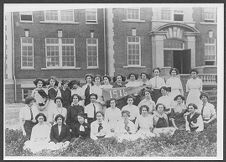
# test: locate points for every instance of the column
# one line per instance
(191, 45)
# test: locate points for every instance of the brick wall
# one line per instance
(9, 93)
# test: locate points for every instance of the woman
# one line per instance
(60, 135)
(26, 115)
(86, 89)
(132, 80)
(177, 113)
(194, 88)
(74, 85)
(81, 129)
(100, 128)
(58, 110)
(208, 111)
(144, 79)
(144, 123)
(112, 115)
(106, 80)
(96, 88)
(148, 101)
(73, 111)
(39, 136)
(175, 83)
(194, 122)
(125, 129)
(161, 123)
(65, 93)
(156, 83)
(119, 81)
(134, 110)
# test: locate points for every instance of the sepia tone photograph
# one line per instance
(113, 81)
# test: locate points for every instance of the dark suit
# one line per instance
(64, 134)
(83, 134)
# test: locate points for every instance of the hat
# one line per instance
(71, 83)
(37, 80)
(29, 99)
(42, 93)
(48, 81)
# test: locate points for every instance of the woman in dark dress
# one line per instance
(73, 111)
(65, 93)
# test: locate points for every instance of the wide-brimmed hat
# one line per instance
(39, 79)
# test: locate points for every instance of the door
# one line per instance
(182, 61)
(186, 61)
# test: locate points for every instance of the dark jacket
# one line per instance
(66, 96)
(64, 134)
(77, 133)
(72, 113)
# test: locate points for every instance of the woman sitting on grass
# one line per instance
(39, 135)
(161, 123)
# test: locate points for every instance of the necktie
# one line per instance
(87, 93)
(31, 114)
(155, 82)
(100, 127)
(94, 111)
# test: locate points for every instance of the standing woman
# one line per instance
(194, 88)
(65, 93)
(156, 83)
(96, 88)
(175, 83)
(86, 89)
(106, 80)
(27, 117)
(132, 80)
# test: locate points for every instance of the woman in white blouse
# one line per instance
(97, 89)
(175, 83)
(148, 101)
(106, 81)
(132, 82)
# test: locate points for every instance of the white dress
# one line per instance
(150, 103)
(194, 87)
(40, 137)
(133, 84)
(176, 86)
(112, 117)
(134, 111)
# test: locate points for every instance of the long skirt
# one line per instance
(193, 97)
(156, 94)
(28, 125)
(50, 109)
(36, 146)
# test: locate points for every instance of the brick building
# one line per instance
(70, 43)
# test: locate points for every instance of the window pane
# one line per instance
(27, 52)
(133, 14)
(133, 54)
(26, 16)
(52, 57)
(52, 15)
(67, 55)
(67, 15)
(92, 52)
(91, 15)
(166, 14)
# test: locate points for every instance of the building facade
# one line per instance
(71, 43)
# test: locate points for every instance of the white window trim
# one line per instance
(205, 22)
(128, 65)
(208, 44)
(89, 21)
(60, 54)
(59, 18)
(132, 19)
(172, 11)
(92, 67)
(21, 49)
(26, 21)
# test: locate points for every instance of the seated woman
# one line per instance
(99, 128)
(74, 85)
(193, 119)
(177, 113)
(148, 101)
(126, 129)
(81, 129)
(134, 110)
(144, 123)
(73, 111)
(132, 80)
(39, 135)
(60, 135)
(161, 123)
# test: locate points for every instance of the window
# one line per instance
(26, 92)
(60, 52)
(27, 52)
(133, 14)
(210, 51)
(165, 14)
(178, 15)
(26, 17)
(91, 15)
(209, 15)
(59, 15)
(133, 51)
(92, 52)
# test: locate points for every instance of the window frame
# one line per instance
(203, 15)
(215, 51)
(59, 19)
(130, 18)
(134, 43)
(92, 67)
(24, 21)
(21, 52)
(178, 14)
(172, 13)
(60, 45)
(91, 21)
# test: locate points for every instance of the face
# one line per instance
(52, 82)
(119, 79)
(58, 102)
(97, 80)
(75, 99)
(144, 110)
(160, 108)
(112, 103)
(106, 81)
(163, 91)
(31, 103)
(179, 100)
(143, 76)
(193, 74)
(125, 116)
(132, 77)
(75, 86)
(81, 120)
(191, 109)
(39, 84)
(99, 117)
(147, 95)
(88, 79)
(65, 85)
(93, 99)
(59, 120)
(156, 72)
(130, 101)
(173, 73)
(204, 99)
(40, 119)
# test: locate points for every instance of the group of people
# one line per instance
(57, 114)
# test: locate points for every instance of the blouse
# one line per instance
(104, 131)
(174, 83)
(41, 132)
(194, 84)
(160, 120)
(112, 116)
(122, 128)
(150, 103)
(144, 122)
(166, 100)
(25, 113)
(194, 118)
(157, 82)
(134, 111)
(208, 111)
(91, 109)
